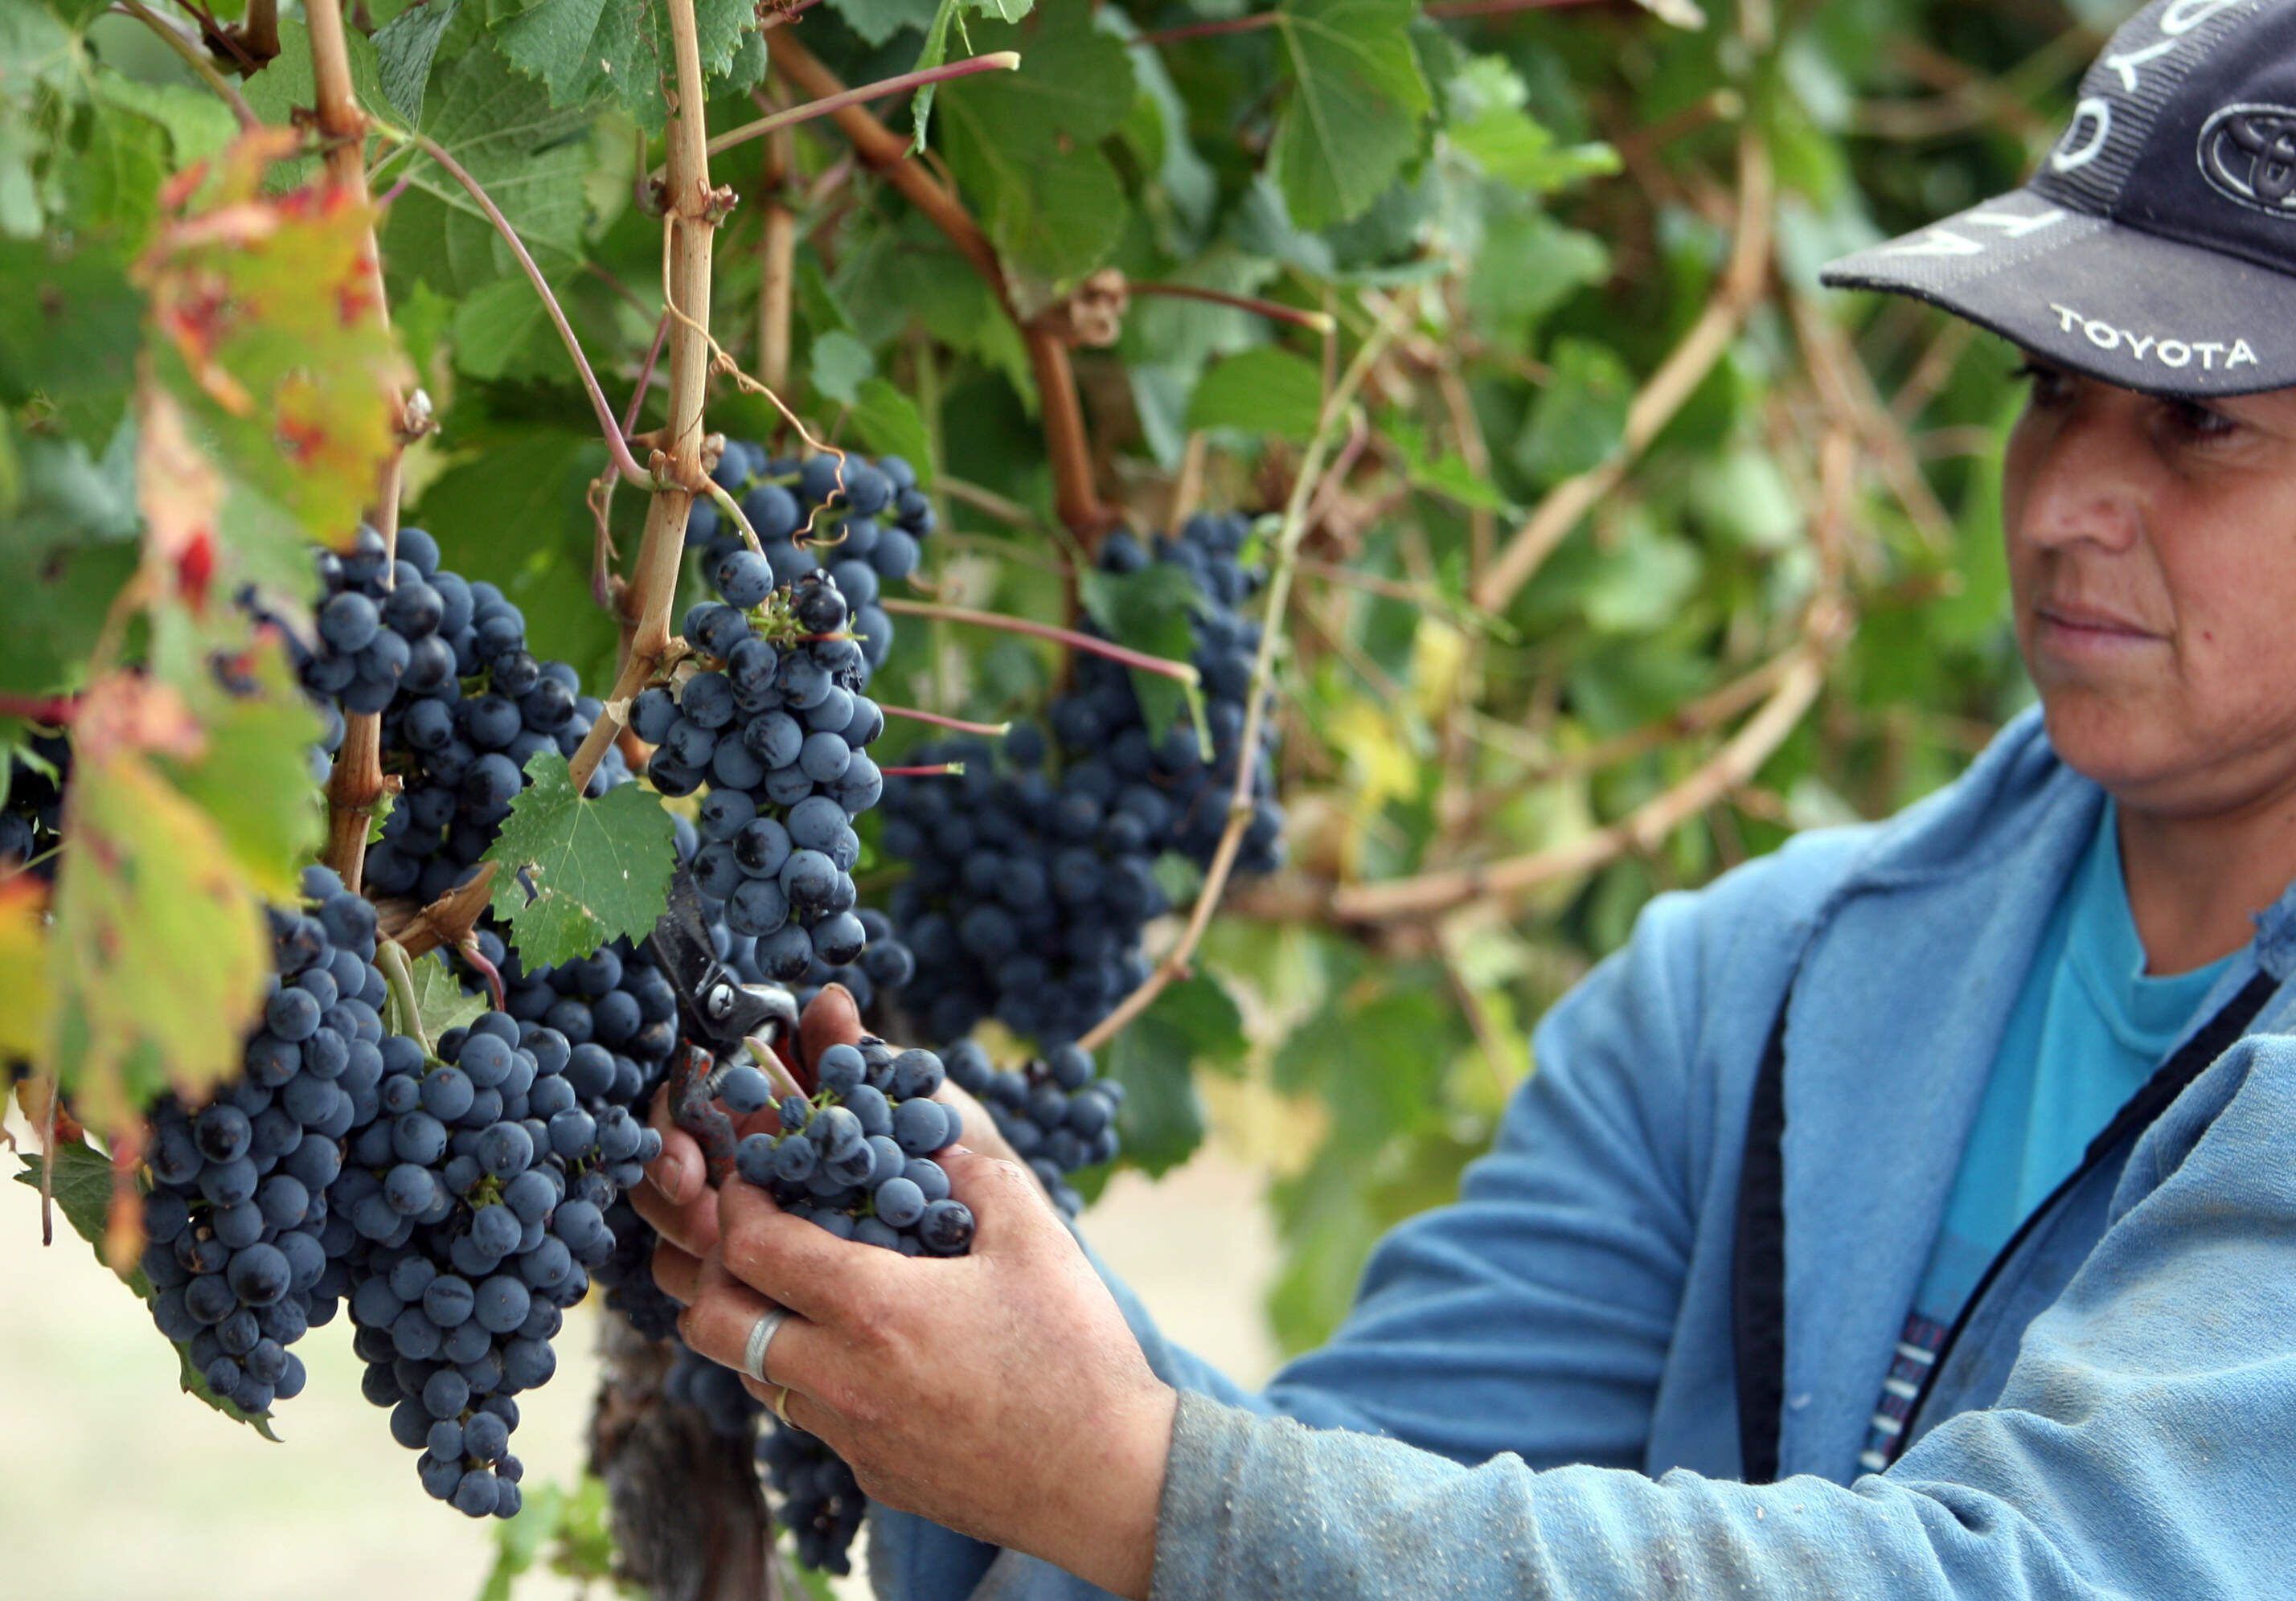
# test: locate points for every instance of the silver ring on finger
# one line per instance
(762, 1336)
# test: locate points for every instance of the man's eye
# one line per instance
(2201, 421)
(2048, 384)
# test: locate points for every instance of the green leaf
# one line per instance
(405, 47)
(502, 128)
(1024, 145)
(441, 1002)
(82, 1188)
(1580, 416)
(69, 546)
(502, 326)
(575, 873)
(878, 20)
(588, 50)
(889, 424)
(1530, 263)
(252, 774)
(1355, 104)
(1266, 390)
(1147, 610)
(837, 364)
(1489, 124)
(1193, 1023)
(285, 83)
(70, 325)
(197, 124)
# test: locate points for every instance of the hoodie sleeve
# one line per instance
(2137, 1449)
(1533, 1316)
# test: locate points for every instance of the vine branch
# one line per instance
(1337, 402)
(355, 785)
(996, 60)
(197, 60)
(1067, 443)
(1685, 368)
(690, 217)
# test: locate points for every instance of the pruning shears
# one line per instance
(718, 1016)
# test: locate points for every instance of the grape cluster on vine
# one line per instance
(1032, 874)
(776, 728)
(245, 1246)
(861, 521)
(479, 1197)
(464, 704)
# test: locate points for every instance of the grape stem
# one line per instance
(1277, 19)
(390, 956)
(937, 770)
(1162, 667)
(1315, 321)
(992, 730)
(449, 920)
(196, 58)
(1067, 445)
(769, 1063)
(996, 60)
(601, 496)
(1338, 402)
(54, 710)
(356, 787)
(691, 212)
(1668, 389)
(617, 446)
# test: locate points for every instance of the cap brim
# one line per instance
(2113, 302)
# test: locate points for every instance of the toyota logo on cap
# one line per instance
(2249, 153)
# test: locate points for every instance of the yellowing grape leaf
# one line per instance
(23, 968)
(159, 948)
(269, 329)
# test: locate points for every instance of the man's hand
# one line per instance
(999, 1393)
(676, 1197)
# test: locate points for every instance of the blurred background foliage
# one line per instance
(1648, 551)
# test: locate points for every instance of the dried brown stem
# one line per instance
(776, 260)
(198, 59)
(1161, 666)
(995, 61)
(1685, 368)
(1067, 443)
(1275, 311)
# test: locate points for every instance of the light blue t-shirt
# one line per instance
(2089, 1028)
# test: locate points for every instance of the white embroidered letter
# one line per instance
(2240, 353)
(2066, 157)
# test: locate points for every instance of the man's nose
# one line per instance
(2087, 482)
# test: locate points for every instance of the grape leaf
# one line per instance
(272, 336)
(877, 21)
(1264, 391)
(82, 1187)
(198, 124)
(405, 47)
(1147, 610)
(441, 1002)
(70, 327)
(23, 968)
(1026, 143)
(1193, 1023)
(502, 127)
(69, 545)
(1355, 104)
(586, 51)
(285, 84)
(889, 424)
(577, 873)
(159, 946)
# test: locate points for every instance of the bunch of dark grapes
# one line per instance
(464, 704)
(478, 1198)
(244, 1248)
(816, 1497)
(1032, 874)
(33, 814)
(856, 1159)
(776, 727)
(865, 534)
(1055, 1112)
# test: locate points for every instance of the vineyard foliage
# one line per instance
(1631, 552)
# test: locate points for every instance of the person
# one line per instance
(1911, 1212)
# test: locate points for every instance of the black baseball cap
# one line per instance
(2156, 247)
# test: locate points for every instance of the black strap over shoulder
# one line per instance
(1758, 1266)
(1758, 1312)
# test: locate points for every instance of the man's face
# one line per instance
(2151, 551)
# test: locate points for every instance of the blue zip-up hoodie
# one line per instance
(1538, 1392)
